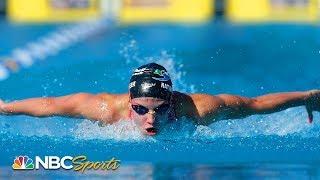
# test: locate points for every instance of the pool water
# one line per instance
(213, 58)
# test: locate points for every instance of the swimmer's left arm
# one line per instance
(226, 106)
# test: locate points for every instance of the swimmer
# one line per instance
(151, 103)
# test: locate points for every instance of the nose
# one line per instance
(151, 117)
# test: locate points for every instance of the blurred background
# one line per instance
(141, 11)
(138, 11)
(250, 37)
(19, 17)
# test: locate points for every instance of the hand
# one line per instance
(1, 104)
(312, 103)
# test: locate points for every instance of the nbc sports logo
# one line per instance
(79, 163)
(23, 163)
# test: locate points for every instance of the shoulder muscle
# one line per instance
(200, 107)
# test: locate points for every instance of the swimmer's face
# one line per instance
(148, 112)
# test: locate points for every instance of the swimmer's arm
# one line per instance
(46, 106)
(226, 106)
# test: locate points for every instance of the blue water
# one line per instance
(212, 58)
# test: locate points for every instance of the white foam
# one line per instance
(292, 121)
(124, 130)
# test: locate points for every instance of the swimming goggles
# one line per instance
(141, 110)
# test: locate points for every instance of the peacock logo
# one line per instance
(23, 163)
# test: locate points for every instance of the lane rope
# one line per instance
(49, 45)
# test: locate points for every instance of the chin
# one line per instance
(150, 134)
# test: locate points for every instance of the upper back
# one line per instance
(196, 106)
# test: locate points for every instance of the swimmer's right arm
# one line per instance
(45, 106)
(75, 105)
(100, 107)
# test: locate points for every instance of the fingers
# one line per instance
(1, 103)
(310, 115)
(312, 103)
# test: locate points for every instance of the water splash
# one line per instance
(291, 122)
(130, 52)
(129, 49)
(124, 130)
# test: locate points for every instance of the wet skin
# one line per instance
(203, 109)
(150, 122)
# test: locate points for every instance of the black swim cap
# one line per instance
(150, 80)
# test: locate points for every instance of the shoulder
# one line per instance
(196, 99)
(205, 100)
(116, 103)
(113, 98)
(98, 97)
(86, 100)
(105, 107)
(195, 106)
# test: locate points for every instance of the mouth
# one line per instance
(151, 131)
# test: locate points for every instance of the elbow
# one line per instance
(252, 106)
(257, 106)
(48, 107)
(49, 102)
